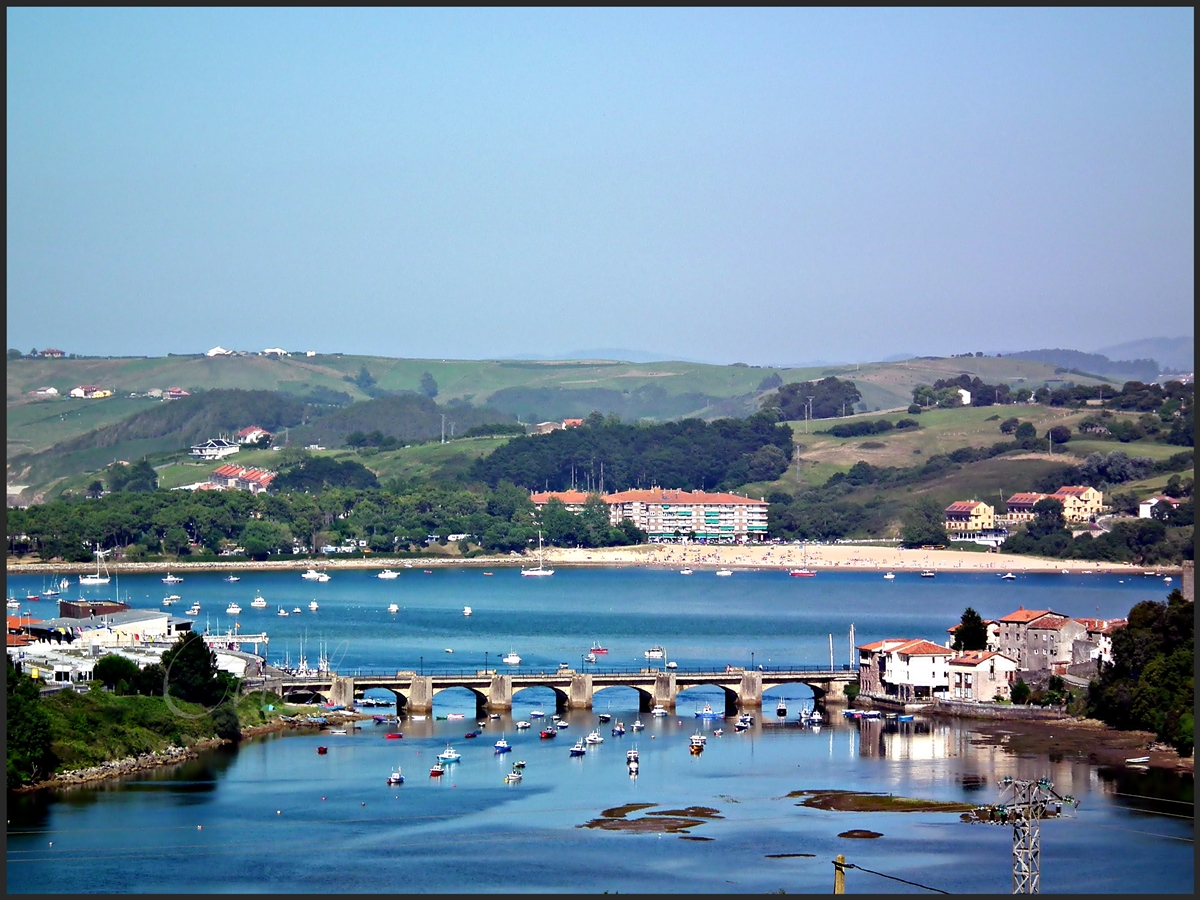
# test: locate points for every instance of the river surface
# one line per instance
(274, 815)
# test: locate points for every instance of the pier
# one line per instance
(494, 690)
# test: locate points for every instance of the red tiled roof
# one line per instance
(1052, 622)
(962, 506)
(251, 430)
(1070, 490)
(20, 621)
(679, 497)
(567, 497)
(877, 645)
(18, 640)
(920, 647)
(975, 657)
(1025, 499)
(1102, 626)
(1025, 615)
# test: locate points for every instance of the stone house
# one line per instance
(981, 675)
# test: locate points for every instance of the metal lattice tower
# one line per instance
(1028, 807)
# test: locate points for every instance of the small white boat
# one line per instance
(522, 725)
(172, 598)
(513, 777)
(172, 579)
(282, 612)
(296, 610)
(511, 659)
(696, 744)
(579, 749)
(233, 610)
(451, 650)
(393, 608)
(889, 576)
(685, 571)
(541, 570)
(655, 652)
(594, 737)
(13, 603)
(449, 755)
(312, 605)
(195, 610)
(638, 724)
(231, 579)
(781, 708)
(1138, 759)
(1008, 576)
(396, 777)
(631, 756)
(337, 730)
(502, 746)
(536, 714)
(259, 602)
(466, 610)
(1167, 579)
(591, 658)
(672, 665)
(388, 574)
(313, 575)
(708, 713)
(929, 573)
(724, 573)
(658, 712)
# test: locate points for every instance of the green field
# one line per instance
(664, 390)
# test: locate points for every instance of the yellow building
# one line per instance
(969, 517)
(1080, 503)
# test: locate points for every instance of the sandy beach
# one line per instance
(819, 557)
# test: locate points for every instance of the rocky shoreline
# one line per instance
(115, 768)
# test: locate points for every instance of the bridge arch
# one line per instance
(481, 698)
(561, 697)
(730, 696)
(645, 697)
(298, 694)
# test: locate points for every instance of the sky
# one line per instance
(764, 186)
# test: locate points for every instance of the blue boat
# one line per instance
(708, 713)
(904, 718)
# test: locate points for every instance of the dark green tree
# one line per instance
(1047, 518)
(28, 737)
(191, 672)
(1020, 692)
(1025, 431)
(14, 354)
(429, 387)
(364, 379)
(924, 523)
(971, 634)
(112, 670)
(1009, 425)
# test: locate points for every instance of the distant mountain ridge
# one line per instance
(1177, 353)
(1095, 363)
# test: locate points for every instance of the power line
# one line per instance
(846, 865)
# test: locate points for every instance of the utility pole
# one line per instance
(443, 428)
(830, 652)
(839, 875)
(1027, 809)
(810, 400)
(852, 644)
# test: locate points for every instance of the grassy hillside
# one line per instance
(530, 390)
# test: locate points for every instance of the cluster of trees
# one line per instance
(864, 428)
(1101, 471)
(1150, 684)
(831, 397)
(689, 454)
(1142, 541)
(589, 528)
(1093, 363)
(136, 477)
(313, 474)
(402, 417)
(395, 518)
(944, 392)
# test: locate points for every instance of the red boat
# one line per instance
(322, 750)
(802, 573)
(394, 736)
(437, 771)
(550, 732)
(596, 648)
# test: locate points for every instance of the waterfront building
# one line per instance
(1080, 502)
(1020, 507)
(1014, 634)
(673, 515)
(1049, 640)
(904, 670)
(1096, 643)
(981, 675)
(572, 500)
(969, 519)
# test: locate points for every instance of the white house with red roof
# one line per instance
(240, 478)
(1096, 644)
(904, 670)
(1146, 507)
(252, 434)
(981, 675)
(1049, 641)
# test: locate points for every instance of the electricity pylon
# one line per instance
(1027, 809)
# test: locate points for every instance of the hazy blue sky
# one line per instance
(770, 186)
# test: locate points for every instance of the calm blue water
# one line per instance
(277, 816)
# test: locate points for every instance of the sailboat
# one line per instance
(97, 578)
(541, 566)
(804, 571)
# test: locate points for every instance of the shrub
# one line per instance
(1021, 691)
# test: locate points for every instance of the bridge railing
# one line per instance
(533, 671)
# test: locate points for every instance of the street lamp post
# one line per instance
(422, 664)
(751, 659)
(485, 662)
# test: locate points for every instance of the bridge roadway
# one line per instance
(494, 689)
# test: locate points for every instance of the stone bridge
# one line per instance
(494, 690)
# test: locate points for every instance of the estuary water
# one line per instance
(274, 815)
